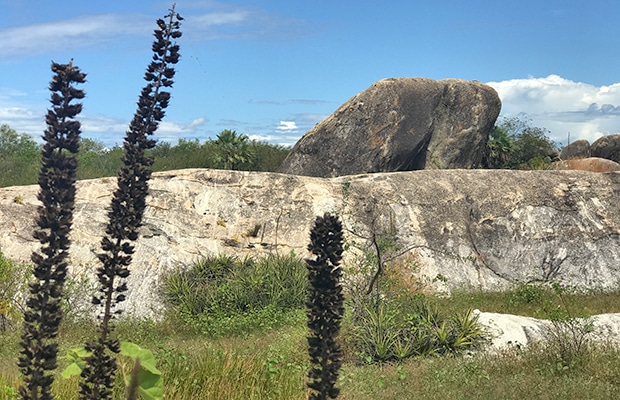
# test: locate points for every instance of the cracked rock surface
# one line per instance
(479, 228)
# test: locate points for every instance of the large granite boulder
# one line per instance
(607, 147)
(400, 125)
(480, 228)
(577, 149)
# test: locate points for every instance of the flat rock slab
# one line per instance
(508, 331)
(475, 228)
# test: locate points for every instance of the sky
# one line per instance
(274, 69)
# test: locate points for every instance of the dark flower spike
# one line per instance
(127, 208)
(57, 195)
(325, 306)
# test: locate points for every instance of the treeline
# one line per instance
(20, 156)
(513, 144)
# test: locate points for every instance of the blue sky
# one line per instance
(273, 69)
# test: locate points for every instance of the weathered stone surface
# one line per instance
(507, 331)
(607, 147)
(577, 149)
(592, 164)
(400, 125)
(481, 228)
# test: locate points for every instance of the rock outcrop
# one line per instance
(508, 331)
(577, 149)
(607, 147)
(400, 125)
(592, 164)
(480, 228)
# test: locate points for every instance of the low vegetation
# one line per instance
(20, 156)
(243, 359)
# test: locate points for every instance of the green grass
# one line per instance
(530, 300)
(226, 345)
(271, 364)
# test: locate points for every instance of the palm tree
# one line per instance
(233, 151)
(501, 147)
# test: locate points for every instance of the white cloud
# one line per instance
(287, 126)
(112, 131)
(219, 18)
(563, 106)
(87, 31)
(83, 31)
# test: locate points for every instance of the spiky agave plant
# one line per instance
(325, 306)
(127, 209)
(57, 194)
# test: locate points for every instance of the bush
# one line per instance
(13, 284)
(568, 338)
(396, 329)
(515, 144)
(224, 294)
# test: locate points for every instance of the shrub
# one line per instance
(515, 144)
(224, 294)
(390, 318)
(396, 329)
(13, 286)
(568, 338)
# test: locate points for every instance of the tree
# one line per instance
(501, 147)
(17, 144)
(515, 144)
(233, 151)
(19, 157)
(92, 146)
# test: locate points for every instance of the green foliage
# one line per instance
(96, 161)
(501, 147)
(232, 151)
(568, 337)
(527, 294)
(225, 295)
(389, 320)
(407, 325)
(515, 144)
(20, 157)
(13, 285)
(150, 382)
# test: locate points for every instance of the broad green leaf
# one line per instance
(77, 357)
(151, 384)
(147, 359)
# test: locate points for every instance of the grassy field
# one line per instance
(272, 363)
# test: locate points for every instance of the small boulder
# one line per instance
(607, 147)
(577, 149)
(592, 164)
(400, 124)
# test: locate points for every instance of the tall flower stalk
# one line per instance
(38, 356)
(325, 306)
(127, 209)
